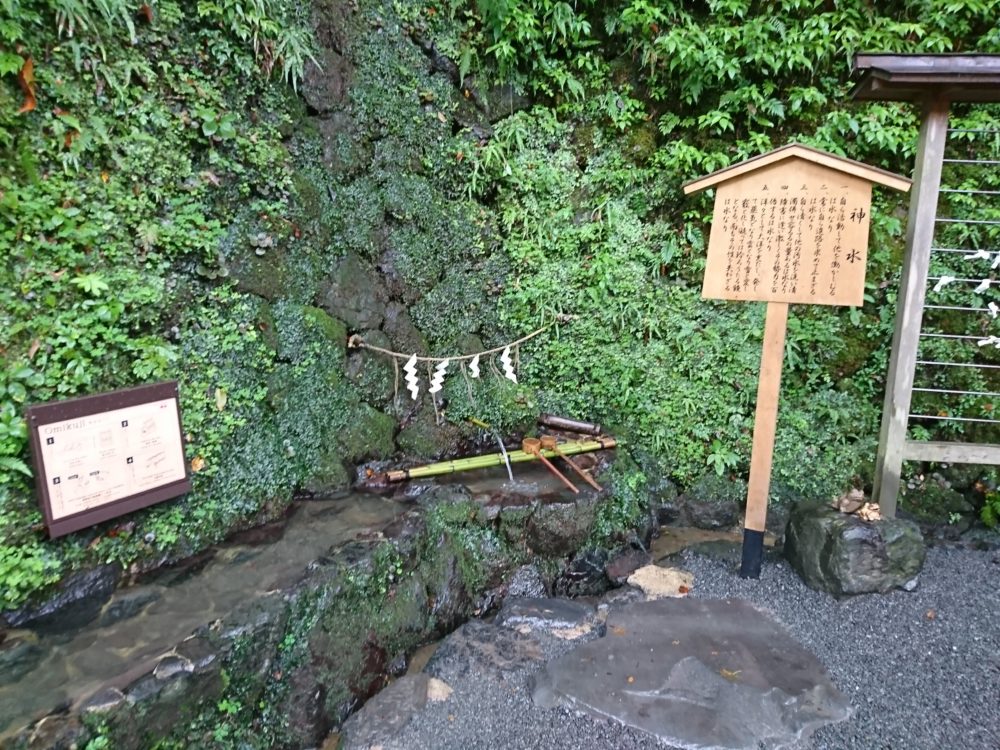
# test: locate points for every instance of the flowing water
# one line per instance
(73, 665)
(144, 621)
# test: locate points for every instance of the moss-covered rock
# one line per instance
(354, 293)
(372, 373)
(557, 529)
(403, 335)
(931, 501)
(369, 436)
(330, 476)
(714, 502)
(424, 438)
(333, 330)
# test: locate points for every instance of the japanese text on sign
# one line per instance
(793, 232)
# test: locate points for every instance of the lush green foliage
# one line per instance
(115, 183)
(151, 155)
(639, 97)
(990, 513)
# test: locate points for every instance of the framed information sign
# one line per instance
(101, 456)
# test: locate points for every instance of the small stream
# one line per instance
(142, 622)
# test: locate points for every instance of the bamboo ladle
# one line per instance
(550, 443)
(534, 446)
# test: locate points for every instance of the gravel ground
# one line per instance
(922, 669)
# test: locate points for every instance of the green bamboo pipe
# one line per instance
(496, 459)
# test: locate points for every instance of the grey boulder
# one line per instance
(844, 554)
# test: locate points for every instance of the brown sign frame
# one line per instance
(39, 415)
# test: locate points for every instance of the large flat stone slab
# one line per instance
(697, 673)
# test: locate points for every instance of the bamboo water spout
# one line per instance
(496, 459)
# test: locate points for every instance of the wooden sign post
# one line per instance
(789, 226)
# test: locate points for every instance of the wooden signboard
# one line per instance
(101, 456)
(789, 226)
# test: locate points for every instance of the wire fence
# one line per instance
(956, 392)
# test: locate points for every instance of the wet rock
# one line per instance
(325, 83)
(305, 708)
(77, 602)
(381, 718)
(547, 613)
(267, 533)
(618, 598)
(584, 576)
(526, 581)
(559, 528)
(102, 701)
(481, 645)
(713, 502)
(354, 294)
(198, 651)
(372, 373)
(624, 563)
(19, 654)
(843, 554)
(663, 501)
(172, 665)
(399, 327)
(697, 674)
(423, 438)
(54, 732)
(128, 604)
(179, 571)
(451, 601)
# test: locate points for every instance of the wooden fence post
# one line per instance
(909, 310)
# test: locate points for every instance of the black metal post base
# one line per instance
(753, 553)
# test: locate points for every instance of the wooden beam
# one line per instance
(952, 453)
(765, 424)
(910, 306)
(765, 421)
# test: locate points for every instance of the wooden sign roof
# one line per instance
(956, 77)
(798, 151)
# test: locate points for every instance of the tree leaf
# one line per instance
(26, 79)
(221, 397)
(10, 63)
